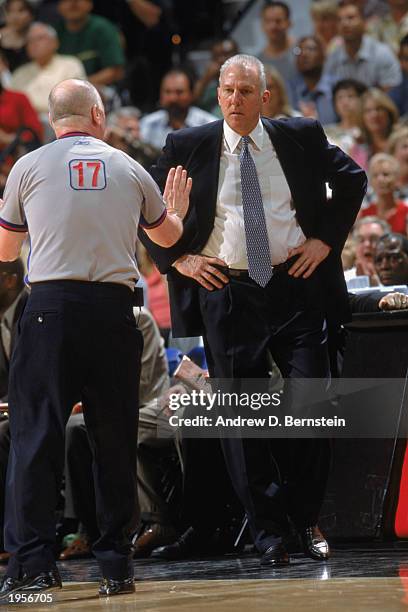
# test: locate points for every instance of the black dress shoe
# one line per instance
(43, 581)
(9, 585)
(275, 556)
(188, 545)
(109, 586)
(314, 544)
(31, 584)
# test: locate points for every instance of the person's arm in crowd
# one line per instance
(107, 76)
(376, 301)
(394, 301)
(147, 12)
(176, 197)
(212, 72)
(111, 56)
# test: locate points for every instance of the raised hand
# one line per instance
(176, 193)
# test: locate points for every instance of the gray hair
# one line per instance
(371, 219)
(49, 29)
(73, 97)
(381, 158)
(246, 61)
(129, 112)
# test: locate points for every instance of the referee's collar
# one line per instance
(69, 134)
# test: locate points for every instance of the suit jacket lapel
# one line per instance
(204, 165)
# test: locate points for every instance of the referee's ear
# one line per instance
(98, 115)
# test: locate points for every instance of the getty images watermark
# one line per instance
(344, 408)
(255, 401)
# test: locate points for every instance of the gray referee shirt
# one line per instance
(81, 202)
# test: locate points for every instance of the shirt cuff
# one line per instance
(13, 227)
(156, 223)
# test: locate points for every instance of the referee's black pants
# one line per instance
(277, 478)
(78, 341)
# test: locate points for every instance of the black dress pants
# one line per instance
(78, 340)
(4, 455)
(273, 478)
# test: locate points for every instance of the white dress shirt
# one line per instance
(227, 240)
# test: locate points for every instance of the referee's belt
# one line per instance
(138, 296)
(278, 269)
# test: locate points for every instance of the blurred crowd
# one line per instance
(350, 72)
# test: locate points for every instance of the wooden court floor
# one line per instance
(354, 580)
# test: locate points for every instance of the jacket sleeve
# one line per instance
(367, 302)
(348, 183)
(165, 257)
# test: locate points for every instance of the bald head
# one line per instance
(73, 99)
(76, 106)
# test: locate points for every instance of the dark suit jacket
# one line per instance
(308, 162)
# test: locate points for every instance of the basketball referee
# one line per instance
(80, 202)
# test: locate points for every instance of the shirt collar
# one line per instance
(233, 139)
(363, 52)
(71, 134)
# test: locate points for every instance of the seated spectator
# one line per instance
(277, 106)
(391, 259)
(157, 291)
(16, 113)
(325, 22)
(383, 174)
(379, 116)
(278, 53)
(310, 91)
(391, 28)
(13, 296)
(13, 35)
(399, 94)
(92, 39)
(123, 132)
(347, 133)
(80, 499)
(176, 99)
(205, 90)
(359, 56)
(46, 68)
(398, 148)
(366, 233)
(391, 264)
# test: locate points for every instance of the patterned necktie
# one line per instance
(257, 244)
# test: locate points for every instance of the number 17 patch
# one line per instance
(87, 174)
